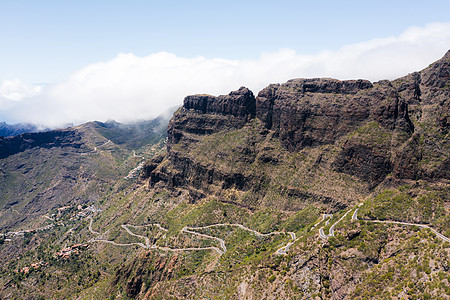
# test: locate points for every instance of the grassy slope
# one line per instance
(378, 254)
(38, 181)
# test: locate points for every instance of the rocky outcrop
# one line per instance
(437, 75)
(150, 166)
(375, 130)
(240, 104)
(152, 268)
(312, 112)
(57, 138)
(427, 95)
(205, 114)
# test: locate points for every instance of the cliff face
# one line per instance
(368, 131)
(312, 112)
(205, 114)
(57, 138)
(200, 116)
(427, 94)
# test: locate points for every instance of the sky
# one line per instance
(76, 61)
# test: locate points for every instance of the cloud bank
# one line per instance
(130, 87)
(16, 90)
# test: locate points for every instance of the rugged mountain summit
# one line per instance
(209, 114)
(427, 95)
(320, 144)
(354, 127)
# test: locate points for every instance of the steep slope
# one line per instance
(427, 94)
(347, 132)
(315, 188)
(353, 127)
(42, 171)
(319, 144)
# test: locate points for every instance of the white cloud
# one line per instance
(16, 90)
(129, 87)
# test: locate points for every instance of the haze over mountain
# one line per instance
(225, 149)
(313, 188)
(16, 129)
(130, 87)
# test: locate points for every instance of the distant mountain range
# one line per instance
(16, 129)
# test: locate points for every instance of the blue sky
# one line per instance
(45, 44)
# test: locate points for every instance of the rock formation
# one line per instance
(376, 129)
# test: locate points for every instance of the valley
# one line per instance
(312, 189)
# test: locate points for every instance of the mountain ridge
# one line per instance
(82, 161)
(314, 188)
(309, 114)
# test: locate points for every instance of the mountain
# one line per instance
(16, 129)
(321, 145)
(45, 170)
(314, 188)
(308, 138)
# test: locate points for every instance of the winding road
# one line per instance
(439, 235)
(321, 233)
(95, 150)
(331, 232)
(190, 230)
(222, 249)
(284, 250)
(355, 218)
(90, 226)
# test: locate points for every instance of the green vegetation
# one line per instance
(371, 133)
(403, 205)
(228, 205)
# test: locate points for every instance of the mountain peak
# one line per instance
(438, 73)
(447, 55)
(239, 103)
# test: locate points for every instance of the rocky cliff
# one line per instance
(205, 114)
(57, 138)
(315, 188)
(369, 131)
